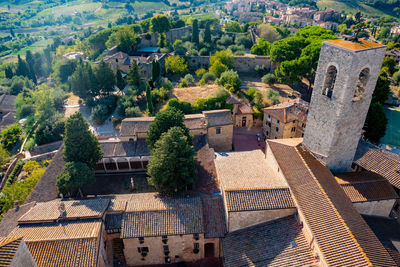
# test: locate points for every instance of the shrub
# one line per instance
(200, 73)
(209, 77)
(230, 80)
(217, 68)
(26, 111)
(189, 78)
(261, 70)
(269, 79)
(99, 114)
(133, 112)
(251, 93)
(183, 106)
(10, 136)
(273, 95)
(204, 52)
(184, 83)
(176, 64)
(396, 78)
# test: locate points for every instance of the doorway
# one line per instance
(209, 250)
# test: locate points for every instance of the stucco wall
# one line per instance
(23, 257)
(179, 245)
(243, 219)
(375, 208)
(223, 141)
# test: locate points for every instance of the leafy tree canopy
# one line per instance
(261, 48)
(171, 166)
(80, 143)
(176, 64)
(74, 176)
(163, 121)
(225, 56)
(160, 23)
(232, 26)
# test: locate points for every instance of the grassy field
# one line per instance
(392, 136)
(351, 7)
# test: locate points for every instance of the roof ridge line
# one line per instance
(334, 208)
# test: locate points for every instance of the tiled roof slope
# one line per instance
(275, 243)
(218, 117)
(46, 188)
(8, 248)
(48, 211)
(214, 216)
(153, 214)
(338, 229)
(387, 230)
(262, 199)
(365, 186)
(10, 218)
(58, 253)
(118, 148)
(382, 162)
(58, 230)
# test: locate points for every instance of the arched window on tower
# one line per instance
(330, 80)
(361, 83)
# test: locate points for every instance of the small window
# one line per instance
(141, 240)
(269, 116)
(293, 129)
(243, 118)
(303, 125)
(277, 129)
(143, 249)
(196, 246)
(166, 248)
(278, 121)
(218, 130)
(330, 80)
(302, 135)
(196, 236)
(267, 133)
(361, 84)
(164, 239)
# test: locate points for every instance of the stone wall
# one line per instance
(243, 219)
(376, 208)
(242, 64)
(180, 249)
(335, 121)
(238, 120)
(151, 39)
(223, 141)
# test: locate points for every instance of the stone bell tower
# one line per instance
(345, 80)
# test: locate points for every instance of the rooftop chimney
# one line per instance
(62, 210)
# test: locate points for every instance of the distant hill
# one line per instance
(370, 7)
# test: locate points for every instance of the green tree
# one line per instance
(207, 34)
(31, 63)
(74, 176)
(267, 32)
(195, 31)
(163, 121)
(22, 67)
(160, 23)
(4, 155)
(176, 64)
(8, 71)
(225, 56)
(230, 81)
(375, 123)
(269, 79)
(10, 136)
(382, 89)
(134, 77)
(125, 38)
(50, 130)
(119, 80)
(105, 78)
(232, 26)
(80, 143)
(390, 64)
(155, 70)
(161, 40)
(149, 100)
(83, 81)
(218, 68)
(261, 48)
(172, 166)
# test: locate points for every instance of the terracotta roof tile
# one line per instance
(7, 102)
(58, 230)
(118, 148)
(379, 161)
(246, 170)
(338, 229)
(72, 252)
(8, 249)
(218, 117)
(129, 126)
(275, 243)
(214, 216)
(263, 199)
(10, 218)
(354, 46)
(48, 211)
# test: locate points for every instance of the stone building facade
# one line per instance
(151, 39)
(345, 80)
(285, 120)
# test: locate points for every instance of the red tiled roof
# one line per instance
(338, 229)
(244, 109)
(214, 216)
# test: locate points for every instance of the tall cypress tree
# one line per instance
(31, 63)
(149, 100)
(155, 70)
(207, 34)
(195, 31)
(119, 80)
(9, 72)
(22, 67)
